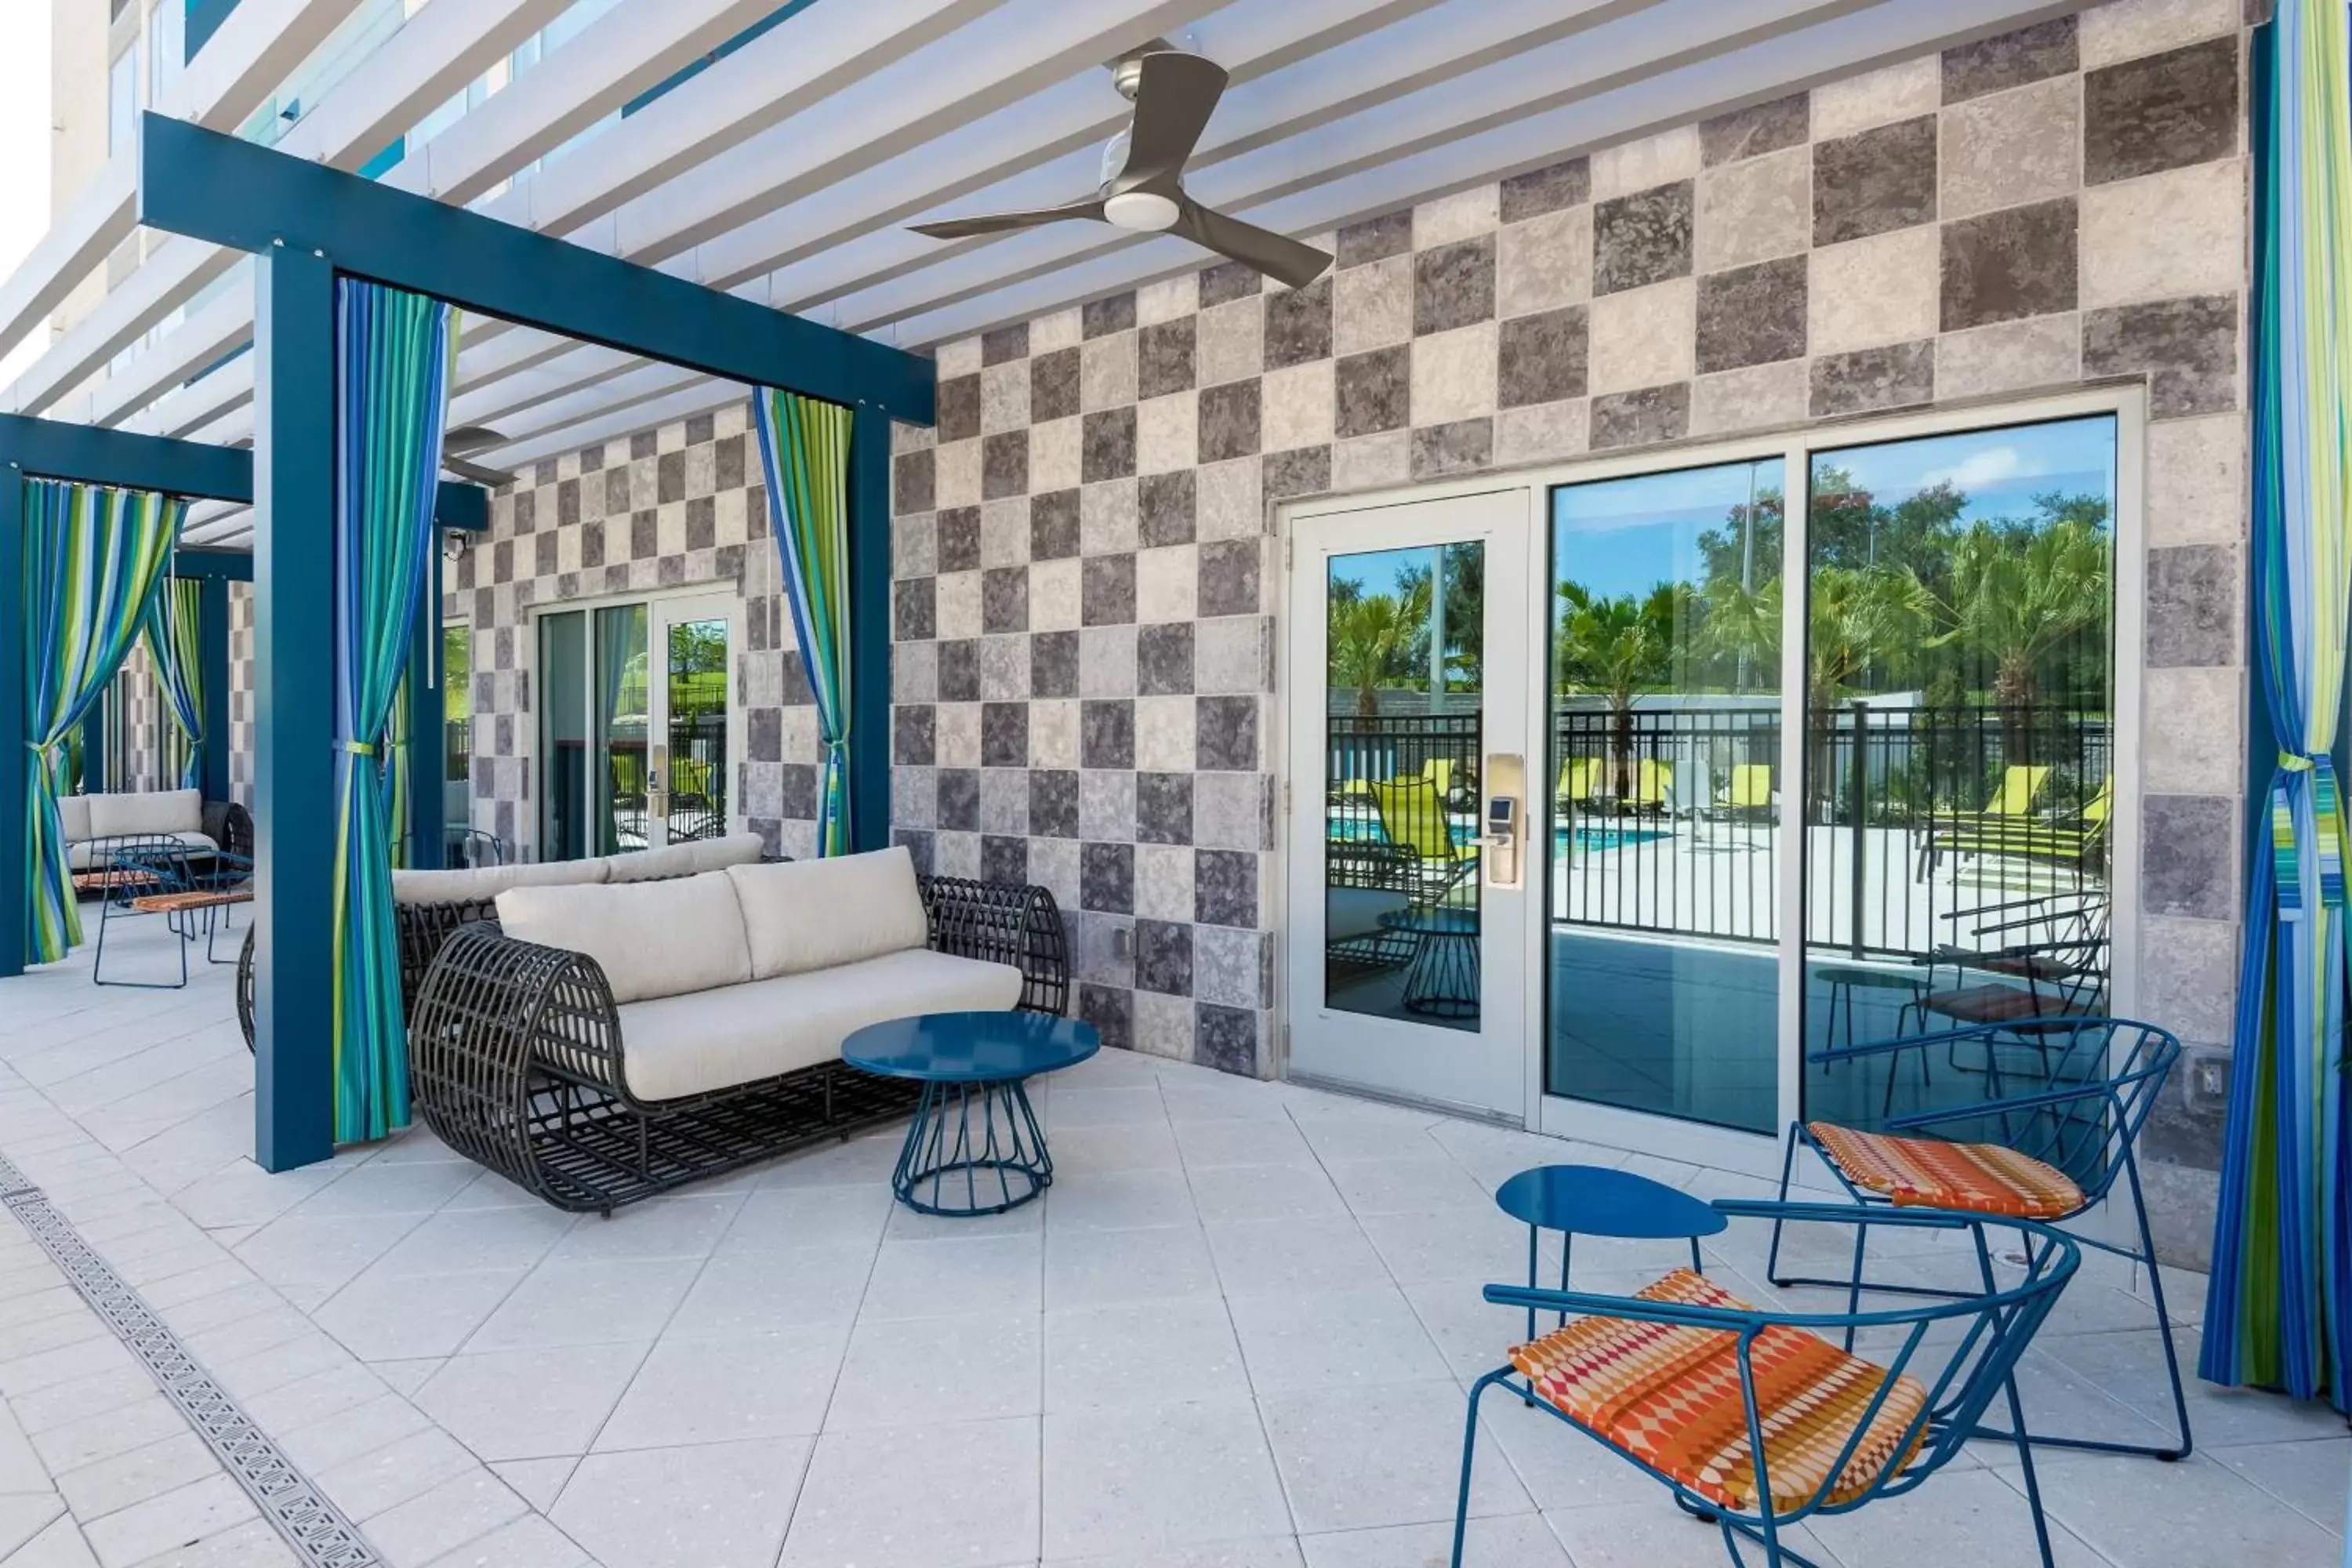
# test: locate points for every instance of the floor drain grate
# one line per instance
(314, 1527)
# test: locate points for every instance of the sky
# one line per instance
(23, 148)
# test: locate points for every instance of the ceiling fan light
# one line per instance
(1147, 211)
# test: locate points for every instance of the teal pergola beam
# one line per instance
(307, 223)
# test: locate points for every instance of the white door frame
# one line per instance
(1723, 1147)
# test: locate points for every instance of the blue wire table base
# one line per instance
(972, 1149)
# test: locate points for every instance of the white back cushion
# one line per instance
(645, 865)
(651, 939)
(161, 811)
(735, 850)
(814, 914)
(73, 810)
(465, 884)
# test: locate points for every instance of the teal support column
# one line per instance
(869, 635)
(294, 697)
(212, 659)
(429, 839)
(15, 868)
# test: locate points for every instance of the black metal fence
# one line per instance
(1427, 764)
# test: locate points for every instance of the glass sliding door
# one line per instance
(1663, 785)
(622, 726)
(563, 796)
(693, 718)
(1959, 735)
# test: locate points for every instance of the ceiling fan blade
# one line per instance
(1175, 94)
(470, 439)
(475, 473)
(998, 223)
(1278, 255)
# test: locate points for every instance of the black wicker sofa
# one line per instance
(518, 1057)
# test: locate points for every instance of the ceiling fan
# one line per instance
(1142, 188)
(472, 439)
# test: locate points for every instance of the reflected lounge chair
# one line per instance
(1414, 817)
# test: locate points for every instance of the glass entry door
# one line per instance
(1406, 811)
(636, 735)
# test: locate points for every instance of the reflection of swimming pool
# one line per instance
(1359, 829)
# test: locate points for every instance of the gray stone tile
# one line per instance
(1163, 957)
(1541, 360)
(1640, 418)
(2188, 349)
(1874, 181)
(1109, 449)
(1004, 599)
(2192, 605)
(1003, 343)
(913, 735)
(1109, 590)
(1054, 664)
(1054, 525)
(2187, 856)
(1228, 281)
(2160, 112)
(1465, 446)
(1229, 421)
(1303, 471)
(1100, 318)
(1106, 732)
(1900, 375)
(1226, 730)
(1004, 735)
(958, 799)
(1453, 286)
(1299, 325)
(1228, 1038)
(2002, 266)
(1112, 1010)
(1167, 505)
(1053, 385)
(1373, 391)
(1163, 808)
(1053, 802)
(1106, 877)
(2009, 59)
(1224, 887)
(1165, 357)
(911, 486)
(1758, 129)
(1390, 234)
(959, 408)
(1752, 315)
(1163, 660)
(1230, 577)
(1642, 238)
(913, 609)
(1538, 191)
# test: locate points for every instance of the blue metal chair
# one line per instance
(1751, 1417)
(2061, 1129)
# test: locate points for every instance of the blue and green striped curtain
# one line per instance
(394, 353)
(2279, 1305)
(93, 558)
(173, 616)
(805, 453)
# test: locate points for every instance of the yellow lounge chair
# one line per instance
(1579, 780)
(1414, 817)
(1749, 789)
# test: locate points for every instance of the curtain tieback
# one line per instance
(358, 748)
(2286, 862)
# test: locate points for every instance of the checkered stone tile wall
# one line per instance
(240, 693)
(677, 506)
(1084, 592)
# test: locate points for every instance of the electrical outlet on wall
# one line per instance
(2209, 1080)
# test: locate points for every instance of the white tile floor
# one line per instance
(1235, 1335)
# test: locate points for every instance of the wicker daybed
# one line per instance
(629, 1049)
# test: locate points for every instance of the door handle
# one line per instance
(1503, 820)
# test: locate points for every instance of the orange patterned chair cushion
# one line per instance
(1670, 1396)
(1928, 1172)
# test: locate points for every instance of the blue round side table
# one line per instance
(1600, 1200)
(974, 1142)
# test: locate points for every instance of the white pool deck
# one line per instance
(1236, 1334)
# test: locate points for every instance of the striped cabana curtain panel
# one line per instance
(805, 453)
(173, 616)
(93, 560)
(2279, 1305)
(394, 353)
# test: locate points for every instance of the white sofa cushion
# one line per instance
(89, 854)
(73, 810)
(650, 865)
(735, 850)
(651, 939)
(467, 884)
(157, 811)
(681, 1045)
(803, 915)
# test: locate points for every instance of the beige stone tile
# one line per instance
(958, 604)
(1054, 733)
(1458, 217)
(1168, 298)
(1371, 306)
(1867, 292)
(1164, 735)
(2197, 480)
(961, 357)
(2126, 29)
(956, 474)
(1540, 431)
(1756, 398)
(1230, 342)
(1877, 98)
(2011, 356)
(1454, 375)
(2193, 737)
(1054, 596)
(1651, 160)
(1167, 433)
(1368, 462)
(1163, 872)
(1641, 337)
(1297, 406)
(1107, 372)
(2199, 213)
(1754, 210)
(2010, 148)
(1004, 396)
(1541, 264)
(2189, 975)
(1058, 330)
(1166, 584)
(1054, 449)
